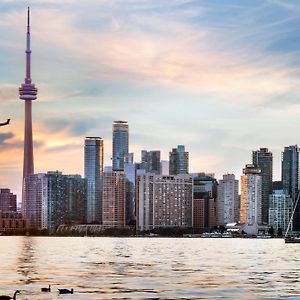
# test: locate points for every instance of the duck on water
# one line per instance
(14, 297)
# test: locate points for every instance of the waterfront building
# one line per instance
(164, 201)
(36, 200)
(130, 174)
(54, 199)
(150, 161)
(28, 93)
(12, 222)
(164, 168)
(8, 201)
(178, 161)
(290, 178)
(114, 198)
(93, 172)
(263, 159)
(205, 201)
(228, 200)
(251, 213)
(280, 210)
(120, 144)
(67, 197)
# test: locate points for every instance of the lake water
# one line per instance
(149, 268)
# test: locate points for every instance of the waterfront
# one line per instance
(150, 268)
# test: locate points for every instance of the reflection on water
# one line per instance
(144, 268)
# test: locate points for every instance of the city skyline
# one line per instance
(168, 67)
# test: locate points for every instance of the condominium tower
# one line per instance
(178, 161)
(263, 159)
(93, 171)
(120, 144)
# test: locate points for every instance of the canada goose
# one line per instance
(8, 297)
(48, 289)
(65, 291)
(5, 123)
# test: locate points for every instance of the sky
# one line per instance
(220, 77)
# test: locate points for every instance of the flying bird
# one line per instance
(5, 123)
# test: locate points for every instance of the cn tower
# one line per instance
(28, 92)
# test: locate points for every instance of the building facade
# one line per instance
(205, 201)
(178, 161)
(120, 144)
(263, 159)
(8, 201)
(150, 161)
(280, 210)
(114, 199)
(228, 200)
(251, 195)
(93, 172)
(290, 178)
(164, 201)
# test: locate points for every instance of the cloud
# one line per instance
(5, 136)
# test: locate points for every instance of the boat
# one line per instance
(292, 239)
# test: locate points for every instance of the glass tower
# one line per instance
(179, 161)
(93, 171)
(120, 144)
(263, 159)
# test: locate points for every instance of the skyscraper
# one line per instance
(114, 198)
(120, 144)
(93, 171)
(27, 92)
(228, 200)
(150, 161)
(8, 201)
(178, 161)
(290, 177)
(263, 159)
(250, 213)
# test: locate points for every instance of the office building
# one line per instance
(114, 198)
(228, 200)
(12, 222)
(178, 161)
(205, 201)
(8, 201)
(93, 172)
(251, 212)
(263, 159)
(120, 144)
(164, 168)
(164, 201)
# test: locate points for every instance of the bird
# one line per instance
(65, 291)
(5, 123)
(48, 289)
(14, 297)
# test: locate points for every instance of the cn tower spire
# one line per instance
(27, 92)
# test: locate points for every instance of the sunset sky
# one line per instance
(220, 77)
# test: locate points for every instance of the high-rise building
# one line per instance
(251, 213)
(120, 144)
(93, 172)
(164, 167)
(263, 159)
(114, 198)
(280, 210)
(54, 199)
(290, 178)
(28, 93)
(205, 201)
(8, 201)
(228, 200)
(178, 161)
(150, 161)
(164, 201)
(130, 174)
(36, 200)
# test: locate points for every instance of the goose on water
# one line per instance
(48, 289)
(14, 297)
(65, 291)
